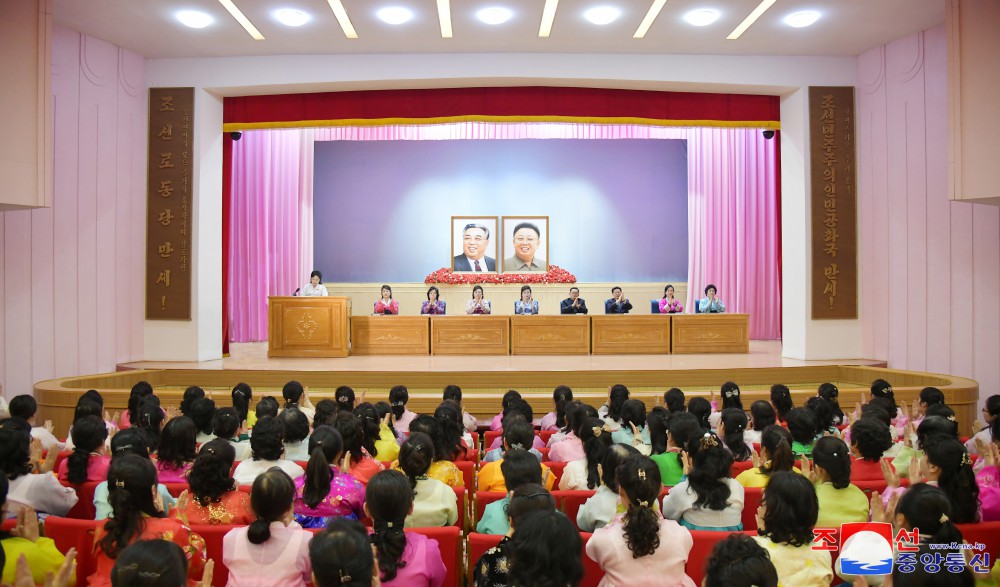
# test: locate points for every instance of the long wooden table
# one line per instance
(307, 326)
(470, 335)
(710, 333)
(390, 335)
(550, 335)
(630, 334)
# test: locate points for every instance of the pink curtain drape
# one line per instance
(271, 225)
(733, 224)
(732, 210)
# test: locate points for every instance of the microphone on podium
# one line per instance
(296, 292)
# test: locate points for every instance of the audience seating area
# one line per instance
(461, 546)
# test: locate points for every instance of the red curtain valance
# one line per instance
(518, 104)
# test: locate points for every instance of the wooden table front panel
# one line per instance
(306, 326)
(390, 335)
(550, 335)
(470, 335)
(630, 334)
(711, 333)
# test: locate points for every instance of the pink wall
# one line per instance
(930, 268)
(72, 275)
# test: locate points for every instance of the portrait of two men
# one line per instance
(523, 244)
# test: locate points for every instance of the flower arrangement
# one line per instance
(555, 274)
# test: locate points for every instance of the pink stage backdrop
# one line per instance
(732, 210)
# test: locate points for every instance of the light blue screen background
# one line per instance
(617, 208)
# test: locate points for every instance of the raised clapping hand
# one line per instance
(345, 463)
(686, 462)
(807, 470)
(881, 512)
(915, 409)
(989, 452)
(27, 524)
(206, 576)
(755, 458)
(891, 477)
(916, 470)
(23, 577)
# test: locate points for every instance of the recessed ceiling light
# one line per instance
(291, 17)
(494, 15)
(602, 14)
(703, 17)
(394, 14)
(802, 19)
(194, 19)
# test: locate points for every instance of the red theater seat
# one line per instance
(477, 547)
(557, 470)
(468, 469)
(704, 542)
(545, 435)
(484, 498)
(987, 533)
(79, 534)
(751, 501)
(489, 436)
(84, 508)
(570, 502)
(740, 466)
(175, 489)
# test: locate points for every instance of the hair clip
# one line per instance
(397, 403)
(708, 440)
(641, 474)
(732, 393)
(342, 399)
(518, 446)
(835, 454)
(210, 450)
(418, 448)
(123, 447)
(388, 524)
(597, 431)
(952, 419)
(344, 578)
(943, 518)
(966, 460)
(119, 483)
(644, 503)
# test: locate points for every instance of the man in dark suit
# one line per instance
(574, 304)
(475, 243)
(618, 304)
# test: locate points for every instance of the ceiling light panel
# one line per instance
(548, 18)
(242, 19)
(647, 21)
(444, 18)
(750, 19)
(291, 17)
(802, 18)
(602, 15)
(494, 15)
(701, 17)
(394, 15)
(194, 19)
(345, 21)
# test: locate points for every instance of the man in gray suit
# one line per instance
(475, 242)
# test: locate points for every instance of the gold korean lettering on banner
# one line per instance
(169, 204)
(833, 203)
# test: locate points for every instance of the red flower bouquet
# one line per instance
(555, 274)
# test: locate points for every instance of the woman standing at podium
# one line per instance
(385, 304)
(477, 305)
(433, 305)
(315, 286)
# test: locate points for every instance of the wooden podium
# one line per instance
(307, 326)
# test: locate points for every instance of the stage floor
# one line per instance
(764, 354)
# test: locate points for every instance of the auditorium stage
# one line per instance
(484, 379)
(764, 354)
